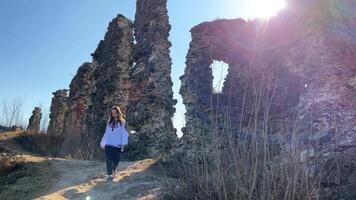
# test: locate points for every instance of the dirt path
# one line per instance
(85, 179)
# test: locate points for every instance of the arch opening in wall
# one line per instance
(219, 71)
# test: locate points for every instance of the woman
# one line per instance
(114, 140)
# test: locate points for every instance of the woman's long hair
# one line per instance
(120, 115)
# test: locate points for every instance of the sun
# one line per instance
(265, 8)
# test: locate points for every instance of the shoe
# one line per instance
(115, 173)
(108, 177)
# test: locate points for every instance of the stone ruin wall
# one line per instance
(34, 121)
(304, 74)
(143, 91)
(151, 99)
(287, 55)
(81, 88)
(58, 110)
(254, 68)
(302, 71)
(112, 60)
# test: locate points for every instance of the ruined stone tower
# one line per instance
(294, 74)
(151, 108)
(294, 68)
(136, 78)
(112, 61)
(80, 91)
(57, 112)
(34, 121)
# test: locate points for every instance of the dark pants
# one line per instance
(112, 155)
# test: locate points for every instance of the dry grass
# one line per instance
(24, 180)
(243, 163)
(239, 172)
(41, 144)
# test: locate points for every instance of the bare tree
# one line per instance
(12, 112)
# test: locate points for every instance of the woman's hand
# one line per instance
(122, 147)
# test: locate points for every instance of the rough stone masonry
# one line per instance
(34, 121)
(297, 68)
(79, 100)
(135, 77)
(112, 61)
(58, 110)
(151, 99)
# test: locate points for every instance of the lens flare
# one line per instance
(265, 8)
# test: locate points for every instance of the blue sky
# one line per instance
(43, 42)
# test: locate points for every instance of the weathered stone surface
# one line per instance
(34, 121)
(57, 112)
(97, 87)
(143, 92)
(311, 66)
(80, 91)
(112, 60)
(255, 75)
(297, 69)
(151, 104)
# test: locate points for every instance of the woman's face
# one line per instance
(114, 113)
